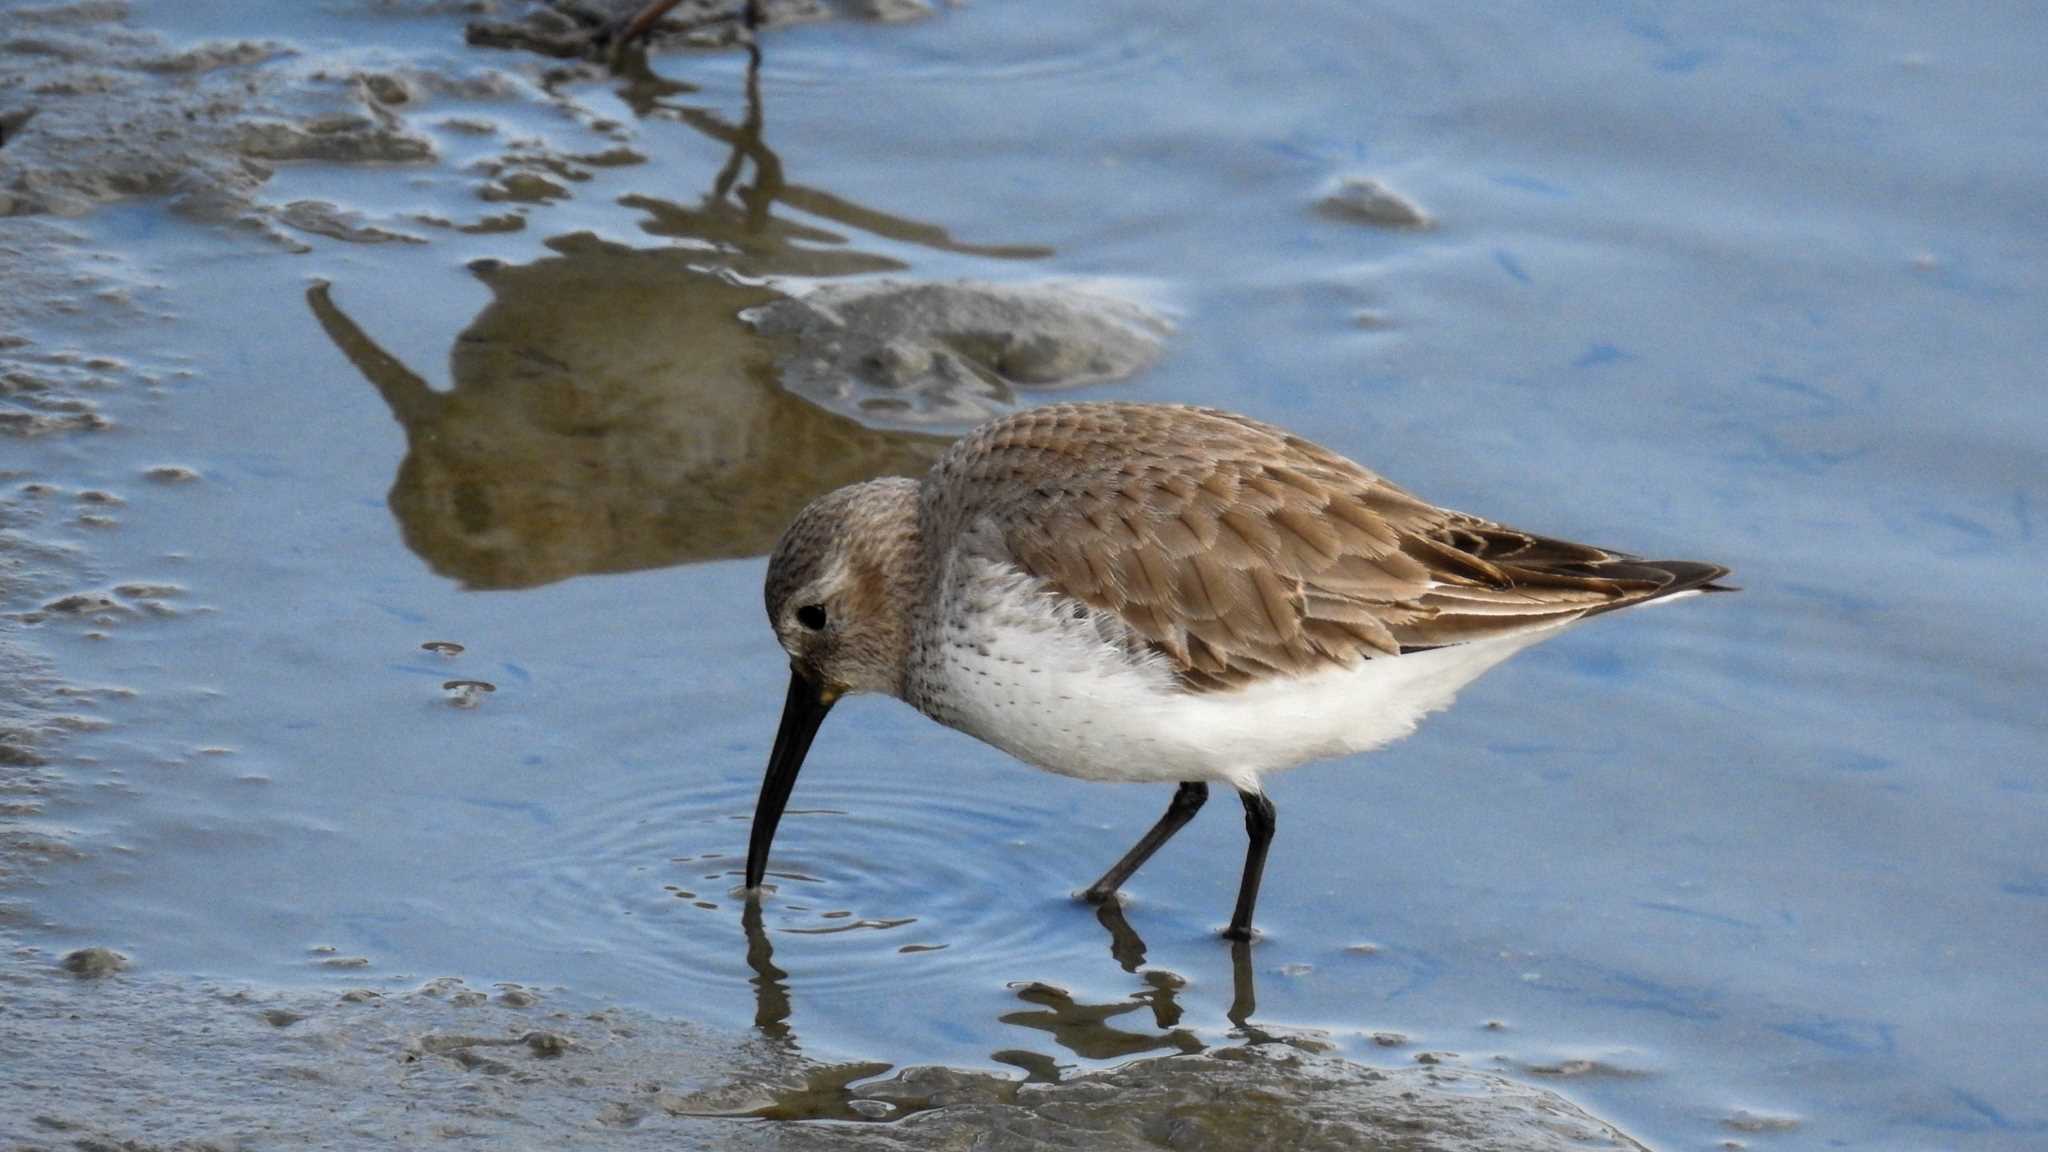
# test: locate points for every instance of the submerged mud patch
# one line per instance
(33, 720)
(93, 110)
(38, 708)
(51, 525)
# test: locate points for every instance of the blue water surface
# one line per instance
(1758, 284)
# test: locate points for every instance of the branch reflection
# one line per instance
(764, 240)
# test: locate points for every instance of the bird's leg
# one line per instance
(621, 33)
(1258, 824)
(1186, 802)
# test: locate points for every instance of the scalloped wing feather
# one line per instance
(1239, 551)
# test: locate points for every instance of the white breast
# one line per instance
(1006, 661)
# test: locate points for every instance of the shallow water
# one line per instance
(1755, 287)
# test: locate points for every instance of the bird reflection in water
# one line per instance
(610, 414)
(610, 411)
(1091, 1032)
(1127, 948)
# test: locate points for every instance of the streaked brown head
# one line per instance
(840, 586)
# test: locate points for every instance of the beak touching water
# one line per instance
(802, 712)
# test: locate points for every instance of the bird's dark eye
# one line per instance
(811, 616)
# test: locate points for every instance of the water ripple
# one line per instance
(651, 875)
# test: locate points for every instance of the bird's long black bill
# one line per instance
(802, 712)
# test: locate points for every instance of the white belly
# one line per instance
(1005, 665)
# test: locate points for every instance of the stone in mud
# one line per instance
(939, 354)
(1362, 200)
(94, 963)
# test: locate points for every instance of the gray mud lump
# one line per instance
(955, 353)
(94, 963)
(1361, 200)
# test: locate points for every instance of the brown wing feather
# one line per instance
(1240, 551)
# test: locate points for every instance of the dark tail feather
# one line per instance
(1670, 577)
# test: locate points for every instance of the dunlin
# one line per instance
(1162, 594)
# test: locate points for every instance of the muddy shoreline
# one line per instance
(113, 1053)
(206, 1065)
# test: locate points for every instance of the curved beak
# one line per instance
(802, 712)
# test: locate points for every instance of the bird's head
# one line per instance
(839, 592)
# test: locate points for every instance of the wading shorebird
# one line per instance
(1162, 594)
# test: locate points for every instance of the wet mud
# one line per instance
(440, 1063)
(100, 111)
(50, 575)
